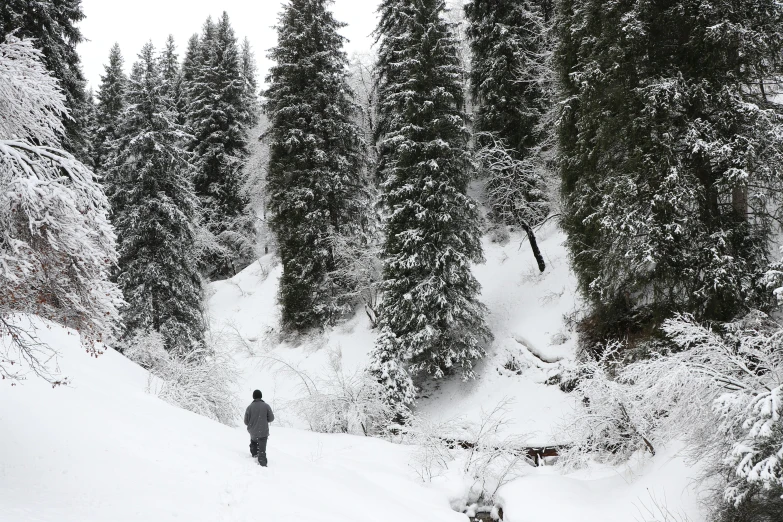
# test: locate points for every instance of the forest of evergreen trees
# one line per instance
(651, 131)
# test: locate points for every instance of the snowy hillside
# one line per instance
(527, 316)
(103, 449)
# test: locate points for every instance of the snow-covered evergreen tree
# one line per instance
(155, 212)
(315, 182)
(110, 107)
(52, 26)
(56, 245)
(670, 155)
(170, 71)
(252, 103)
(430, 296)
(217, 117)
(390, 370)
(509, 86)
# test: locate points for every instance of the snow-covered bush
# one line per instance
(335, 401)
(345, 402)
(56, 244)
(611, 422)
(773, 279)
(201, 381)
(719, 391)
(482, 454)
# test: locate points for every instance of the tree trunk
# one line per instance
(534, 246)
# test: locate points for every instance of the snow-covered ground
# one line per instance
(102, 449)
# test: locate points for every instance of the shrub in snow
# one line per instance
(482, 453)
(719, 391)
(201, 381)
(337, 401)
(345, 403)
(611, 423)
(56, 244)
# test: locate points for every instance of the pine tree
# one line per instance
(509, 43)
(430, 301)
(53, 27)
(669, 155)
(315, 180)
(188, 70)
(217, 117)
(249, 71)
(170, 70)
(110, 107)
(91, 129)
(390, 371)
(154, 211)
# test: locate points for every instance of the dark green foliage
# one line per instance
(154, 214)
(670, 156)
(430, 301)
(53, 26)
(315, 180)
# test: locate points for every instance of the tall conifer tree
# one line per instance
(669, 155)
(170, 71)
(315, 177)
(431, 318)
(217, 118)
(249, 74)
(155, 210)
(110, 107)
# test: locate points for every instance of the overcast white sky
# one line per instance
(131, 23)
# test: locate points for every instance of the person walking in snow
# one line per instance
(257, 418)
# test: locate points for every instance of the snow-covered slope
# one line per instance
(103, 449)
(527, 317)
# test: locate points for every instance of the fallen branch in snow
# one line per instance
(535, 352)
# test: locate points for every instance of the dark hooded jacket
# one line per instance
(257, 418)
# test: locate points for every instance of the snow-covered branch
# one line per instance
(56, 244)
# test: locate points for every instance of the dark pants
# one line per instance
(258, 449)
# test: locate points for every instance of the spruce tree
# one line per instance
(217, 117)
(430, 315)
(669, 155)
(53, 27)
(110, 107)
(155, 209)
(252, 107)
(315, 180)
(509, 42)
(170, 71)
(187, 73)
